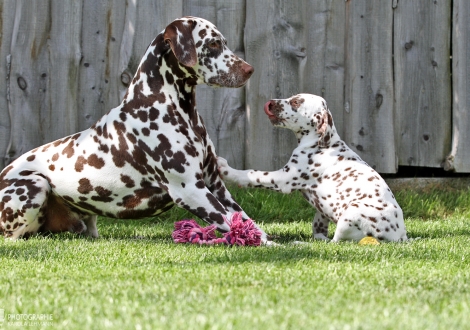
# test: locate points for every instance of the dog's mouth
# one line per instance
(268, 109)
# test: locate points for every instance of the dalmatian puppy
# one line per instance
(332, 177)
(144, 156)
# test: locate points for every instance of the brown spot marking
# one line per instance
(95, 161)
(55, 157)
(31, 158)
(296, 102)
(127, 180)
(68, 150)
(85, 186)
(80, 163)
(104, 195)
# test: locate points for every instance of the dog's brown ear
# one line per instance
(179, 35)
(325, 128)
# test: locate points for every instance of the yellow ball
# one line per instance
(368, 240)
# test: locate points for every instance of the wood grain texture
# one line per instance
(30, 75)
(223, 109)
(384, 68)
(295, 48)
(323, 73)
(422, 81)
(459, 159)
(369, 105)
(276, 48)
(7, 20)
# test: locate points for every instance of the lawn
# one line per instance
(135, 277)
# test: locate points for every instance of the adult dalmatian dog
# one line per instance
(334, 179)
(144, 156)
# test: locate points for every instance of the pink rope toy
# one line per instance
(241, 233)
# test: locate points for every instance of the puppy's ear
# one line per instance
(179, 35)
(324, 128)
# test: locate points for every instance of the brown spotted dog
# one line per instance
(144, 156)
(332, 177)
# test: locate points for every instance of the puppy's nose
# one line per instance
(248, 69)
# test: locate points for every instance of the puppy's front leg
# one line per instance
(280, 180)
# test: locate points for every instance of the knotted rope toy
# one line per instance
(240, 233)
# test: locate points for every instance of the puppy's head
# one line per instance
(305, 114)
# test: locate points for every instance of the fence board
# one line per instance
(274, 34)
(223, 109)
(324, 69)
(64, 50)
(422, 80)
(386, 75)
(369, 104)
(7, 19)
(30, 69)
(99, 33)
(459, 159)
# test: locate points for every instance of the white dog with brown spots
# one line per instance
(140, 159)
(333, 178)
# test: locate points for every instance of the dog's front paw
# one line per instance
(229, 174)
(222, 166)
(224, 169)
(271, 244)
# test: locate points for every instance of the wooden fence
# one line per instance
(395, 73)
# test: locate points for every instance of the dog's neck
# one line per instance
(160, 76)
(309, 138)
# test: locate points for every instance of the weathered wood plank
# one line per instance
(29, 76)
(324, 68)
(7, 18)
(113, 45)
(223, 109)
(459, 159)
(71, 61)
(275, 38)
(64, 54)
(422, 81)
(369, 104)
(97, 67)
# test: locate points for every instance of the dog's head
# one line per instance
(201, 49)
(303, 114)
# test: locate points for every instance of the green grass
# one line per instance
(135, 277)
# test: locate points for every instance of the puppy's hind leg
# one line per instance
(320, 227)
(348, 230)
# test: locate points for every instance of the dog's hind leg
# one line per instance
(90, 222)
(58, 217)
(22, 202)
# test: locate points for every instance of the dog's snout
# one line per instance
(248, 69)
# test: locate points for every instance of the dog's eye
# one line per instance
(214, 44)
